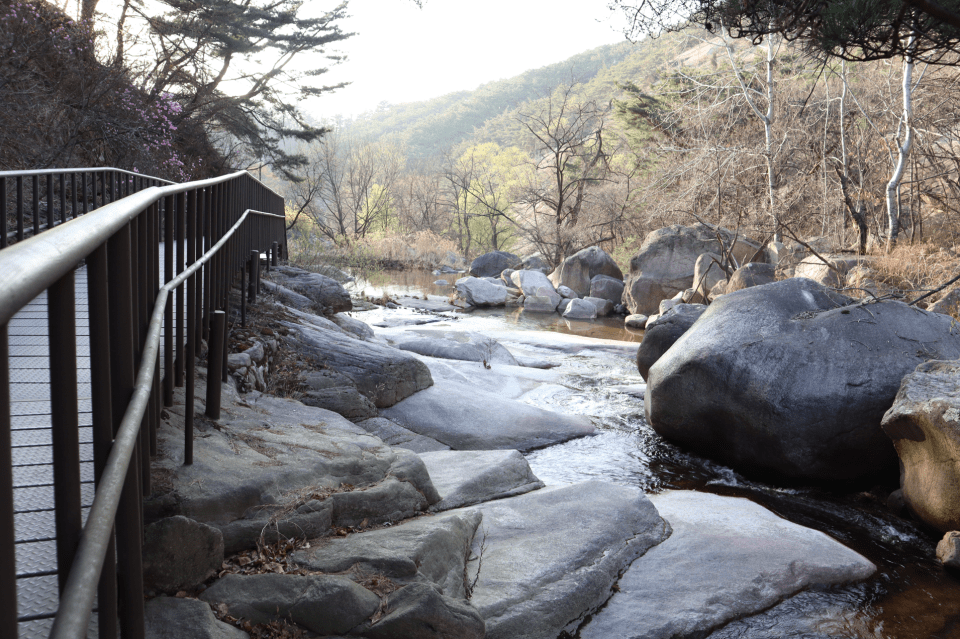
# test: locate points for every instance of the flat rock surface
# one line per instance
(727, 558)
(467, 477)
(459, 345)
(551, 557)
(428, 549)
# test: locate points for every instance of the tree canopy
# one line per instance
(848, 29)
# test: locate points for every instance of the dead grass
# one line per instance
(916, 268)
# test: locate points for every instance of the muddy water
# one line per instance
(911, 597)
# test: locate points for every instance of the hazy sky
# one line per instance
(402, 53)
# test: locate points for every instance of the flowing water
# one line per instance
(910, 597)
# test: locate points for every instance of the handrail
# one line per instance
(89, 169)
(76, 601)
(28, 268)
(230, 220)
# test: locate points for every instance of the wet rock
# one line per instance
(666, 262)
(471, 347)
(384, 375)
(576, 271)
(791, 380)
(429, 550)
(924, 424)
(580, 309)
(477, 292)
(636, 321)
(663, 332)
(752, 274)
(180, 553)
(726, 558)
(325, 604)
(493, 263)
(604, 306)
(478, 419)
(396, 435)
(177, 618)
(541, 303)
(562, 306)
(418, 611)
(948, 550)
(353, 326)
(607, 288)
(551, 557)
(464, 478)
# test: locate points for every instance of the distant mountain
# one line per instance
(489, 113)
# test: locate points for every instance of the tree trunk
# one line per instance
(903, 149)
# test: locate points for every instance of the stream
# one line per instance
(910, 597)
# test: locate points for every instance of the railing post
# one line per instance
(8, 554)
(218, 328)
(61, 324)
(178, 360)
(35, 194)
(189, 354)
(98, 307)
(254, 275)
(168, 274)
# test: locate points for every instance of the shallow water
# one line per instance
(910, 597)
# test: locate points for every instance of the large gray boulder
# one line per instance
(607, 288)
(180, 553)
(666, 263)
(924, 424)
(749, 275)
(707, 273)
(327, 294)
(177, 618)
(384, 375)
(550, 558)
(467, 477)
(536, 262)
(479, 292)
(791, 380)
(529, 281)
(493, 263)
(580, 309)
(325, 604)
(470, 347)
(343, 400)
(579, 269)
(663, 332)
(431, 550)
(727, 558)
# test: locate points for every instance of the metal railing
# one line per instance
(57, 195)
(207, 231)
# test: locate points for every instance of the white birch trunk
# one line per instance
(903, 147)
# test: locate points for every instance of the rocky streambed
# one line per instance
(417, 517)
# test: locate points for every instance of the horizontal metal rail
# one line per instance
(76, 601)
(83, 186)
(161, 256)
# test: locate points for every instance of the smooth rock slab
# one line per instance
(550, 557)
(470, 347)
(430, 550)
(463, 417)
(727, 558)
(178, 618)
(325, 604)
(467, 477)
(396, 435)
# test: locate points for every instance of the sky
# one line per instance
(403, 53)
